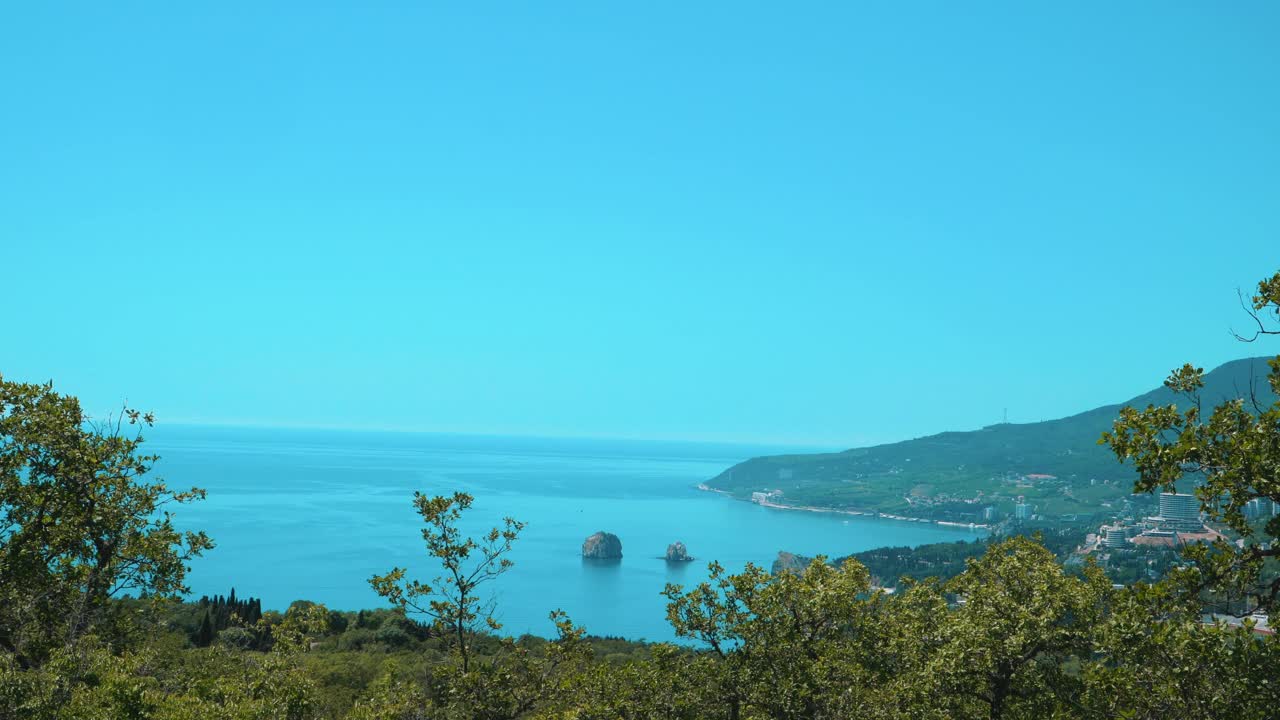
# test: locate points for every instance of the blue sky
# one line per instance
(835, 223)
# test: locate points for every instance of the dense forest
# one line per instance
(92, 625)
(943, 561)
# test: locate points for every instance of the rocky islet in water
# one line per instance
(602, 546)
(677, 552)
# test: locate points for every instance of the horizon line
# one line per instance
(260, 425)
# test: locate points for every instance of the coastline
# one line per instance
(858, 513)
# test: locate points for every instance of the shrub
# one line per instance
(237, 638)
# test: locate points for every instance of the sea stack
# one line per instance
(677, 552)
(790, 563)
(602, 546)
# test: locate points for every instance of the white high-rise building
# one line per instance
(1260, 508)
(1179, 511)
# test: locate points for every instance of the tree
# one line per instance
(1233, 453)
(451, 600)
(204, 636)
(1154, 659)
(791, 645)
(670, 684)
(1017, 622)
(81, 522)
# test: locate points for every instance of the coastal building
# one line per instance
(1157, 538)
(1180, 506)
(1258, 622)
(1113, 536)
(1022, 511)
(1164, 537)
(1179, 512)
(760, 497)
(989, 513)
(1260, 508)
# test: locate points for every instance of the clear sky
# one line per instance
(832, 223)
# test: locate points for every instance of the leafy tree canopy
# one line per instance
(81, 522)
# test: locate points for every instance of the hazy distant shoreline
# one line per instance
(856, 513)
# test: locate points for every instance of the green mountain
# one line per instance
(1057, 466)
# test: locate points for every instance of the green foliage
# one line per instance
(162, 680)
(1013, 636)
(1154, 658)
(1020, 618)
(821, 644)
(80, 523)
(204, 636)
(990, 462)
(943, 561)
(237, 638)
(451, 600)
(998, 629)
(1231, 451)
(792, 645)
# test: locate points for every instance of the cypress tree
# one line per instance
(204, 637)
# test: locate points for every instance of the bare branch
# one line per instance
(1253, 314)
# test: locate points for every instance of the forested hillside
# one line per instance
(1057, 465)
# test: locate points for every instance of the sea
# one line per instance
(313, 514)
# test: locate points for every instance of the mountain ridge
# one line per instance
(1056, 464)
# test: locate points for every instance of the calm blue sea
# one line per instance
(305, 514)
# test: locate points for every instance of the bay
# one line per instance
(312, 514)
